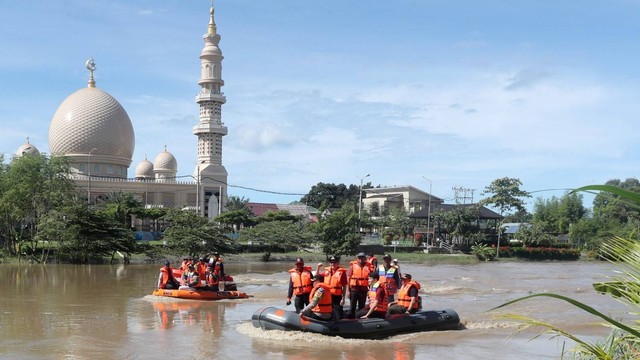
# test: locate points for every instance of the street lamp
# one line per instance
(429, 212)
(360, 199)
(198, 190)
(89, 177)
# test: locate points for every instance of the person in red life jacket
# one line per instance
(389, 277)
(408, 302)
(218, 269)
(201, 269)
(320, 306)
(371, 258)
(358, 279)
(378, 304)
(192, 279)
(336, 277)
(212, 278)
(166, 279)
(300, 285)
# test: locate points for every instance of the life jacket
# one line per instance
(334, 279)
(403, 295)
(382, 305)
(359, 274)
(387, 278)
(324, 306)
(185, 265)
(301, 281)
(212, 278)
(166, 276)
(371, 260)
(193, 277)
(217, 267)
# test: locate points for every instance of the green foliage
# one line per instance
(398, 223)
(624, 252)
(234, 220)
(483, 252)
(336, 232)
(279, 233)
(556, 216)
(195, 235)
(331, 196)
(540, 253)
(280, 215)
(534, 235)
(237, 203)
(506, 196)
(461, 221)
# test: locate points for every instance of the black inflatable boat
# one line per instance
(271, 318)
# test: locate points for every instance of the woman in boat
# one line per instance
(378, 303)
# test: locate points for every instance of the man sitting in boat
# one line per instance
(192, 279)
(166, 279)
(378, 304)
(320, 307)
(407, 297)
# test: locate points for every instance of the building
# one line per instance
(409, 198)
(94, 131)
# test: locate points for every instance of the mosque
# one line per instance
(93, 130)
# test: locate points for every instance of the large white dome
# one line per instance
(92, 119)
(144, 170)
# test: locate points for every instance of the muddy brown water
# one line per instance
(107, 312)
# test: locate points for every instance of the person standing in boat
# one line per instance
(211, 278)
(336, 277)
(373, 260)
(300, 285)
(166, 279)
(201, 269)
(378, 304)
(389, 277)
(218, 269)
(357, 277)
(408, 299)
(320, 306)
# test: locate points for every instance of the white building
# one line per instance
(395, 197)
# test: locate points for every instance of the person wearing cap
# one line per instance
(166, 279)
(300, 285)
(377, 307)
(357, 278)
(335, 277)
(389, 277)
(320, 306)
(394, 262)
(373, 260)
(408, 299)
(218, 269)
(201, 269)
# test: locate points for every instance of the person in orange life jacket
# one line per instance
(201, 269)
(166, 279)
(357, 277)
(218, 268)
(185, 268)
(407, 297)
(320, 306)
(300, 285)
(389, 277)
(371, 258)
(192, 278)
(378, 304)
(211, 278)
(336, 277)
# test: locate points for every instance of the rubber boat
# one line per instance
(194, 294)
(271, 318)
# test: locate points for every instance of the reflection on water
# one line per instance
(107, 312)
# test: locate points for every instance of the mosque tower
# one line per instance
(209, 171)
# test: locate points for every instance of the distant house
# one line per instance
(395, 197)
(308, 213)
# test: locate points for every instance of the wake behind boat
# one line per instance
(271, 318)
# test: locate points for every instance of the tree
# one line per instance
(336, 233)
(195, 235)
(280, 233)
(236, 219)
(237, 203)
(121, 205)
(556, 215)
(507, 195)
(461, 221)
(323, 196)
(279, 215)
(613, 207)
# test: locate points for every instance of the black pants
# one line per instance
(358, 298)
(397, 309)
(300, 302)
(338, 311)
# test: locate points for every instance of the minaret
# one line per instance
(209, 171)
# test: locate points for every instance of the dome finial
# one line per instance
(212, 23)
(91, 66)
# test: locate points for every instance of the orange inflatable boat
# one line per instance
(200, 294)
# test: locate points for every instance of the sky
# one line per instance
(432, 94)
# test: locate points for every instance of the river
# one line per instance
(107, 312)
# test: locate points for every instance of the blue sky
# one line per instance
(460, 92)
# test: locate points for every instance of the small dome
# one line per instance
(165, 161)
(27, 148)
(91, 118)
(144, 170)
